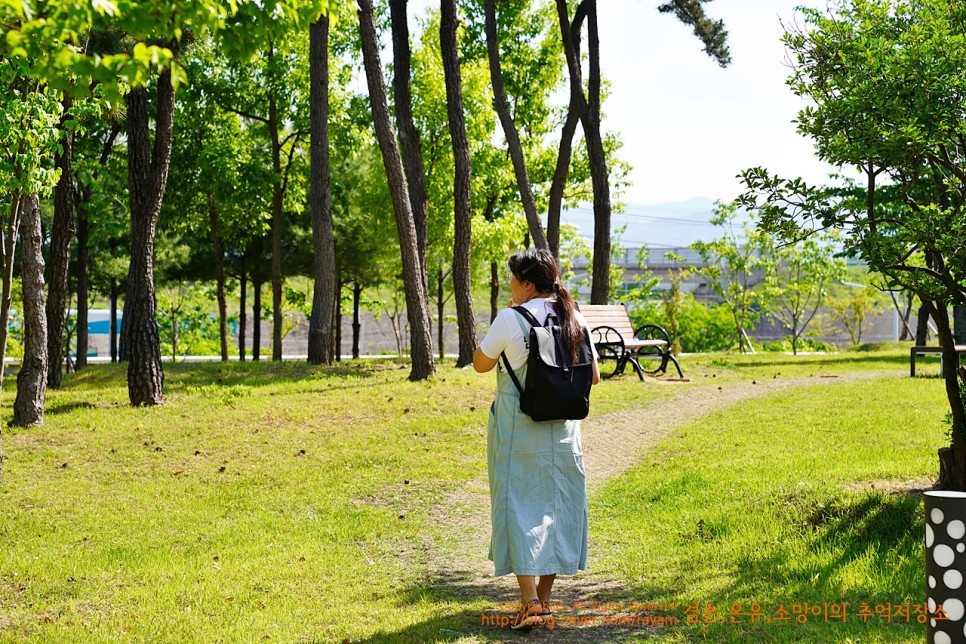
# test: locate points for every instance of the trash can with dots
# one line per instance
(945, 566)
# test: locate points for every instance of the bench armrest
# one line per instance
(607, 335)
(652, 332)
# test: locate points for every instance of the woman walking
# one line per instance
(538, 494)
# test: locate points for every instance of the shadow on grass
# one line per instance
(491, 624)
(66, 408)
(869, 532)
(181, 376)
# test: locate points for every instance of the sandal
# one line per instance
(534, 613)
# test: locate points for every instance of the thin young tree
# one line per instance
(466, 319)
(28, 408)
(408, 134)
(62, 232)
(321, 348)
(510, 129)
(423, 365)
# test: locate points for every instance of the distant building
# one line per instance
(657, 265)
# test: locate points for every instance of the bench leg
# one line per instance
(676, 365)
(621, 364)
(637, 368)
(912, 364)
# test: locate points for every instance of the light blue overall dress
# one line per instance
(538, 495)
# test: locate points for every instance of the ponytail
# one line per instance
(540, 267)
(566, 309)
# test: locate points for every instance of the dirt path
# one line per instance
(612, 444)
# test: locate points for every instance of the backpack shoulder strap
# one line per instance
(527, 315)
(523, 315)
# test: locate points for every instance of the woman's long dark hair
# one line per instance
(540, 267)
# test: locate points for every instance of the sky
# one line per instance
(689, 126)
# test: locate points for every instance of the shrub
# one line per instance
(702, 328)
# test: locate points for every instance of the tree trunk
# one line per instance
(954, 477)
(600, 284)
(922, 325)
(356, 320)
(219, 277)
(147, 179)
(114, 333)
(28, 409)
(122, 343)
(510, 129)
(494, 291)
(462, 212)
(576, 107)
(494, 267)
(412, 156)
(320, 325)
(277, 205)
(559, 182)
(959, 323)
(904, 315)
(59, 253)
(10, 235)
(440, 310)
(257, 322)
(414, 277)
(83, 268)
(242, 311)
(338, 324)
(590, 118)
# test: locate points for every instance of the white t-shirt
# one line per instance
(506, 334)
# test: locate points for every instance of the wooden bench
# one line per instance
(619, 343)
(921, 351)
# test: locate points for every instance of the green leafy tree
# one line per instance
(882, 78)
(738, 265)
(854, 308)
(423, 365)
(29, 135)
(588, 108)
(219, 183)
(803, 273)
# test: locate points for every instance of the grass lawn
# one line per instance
(281, 502)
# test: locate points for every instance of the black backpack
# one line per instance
(557, 389)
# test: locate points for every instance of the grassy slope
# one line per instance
(775, 502)
(121, 521)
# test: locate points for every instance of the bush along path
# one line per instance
(591, 605)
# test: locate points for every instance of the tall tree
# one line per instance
(590, 118)
(29, 118)
(147, 179)
(466, 318)
(588, 110)
(62, 232)
(878, 106)
(408, 134)
(28, 408)
(321, 347)
(570, 36)
(261, 91)
(509, 128)
(423, 365)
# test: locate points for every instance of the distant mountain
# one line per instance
(670, 225)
